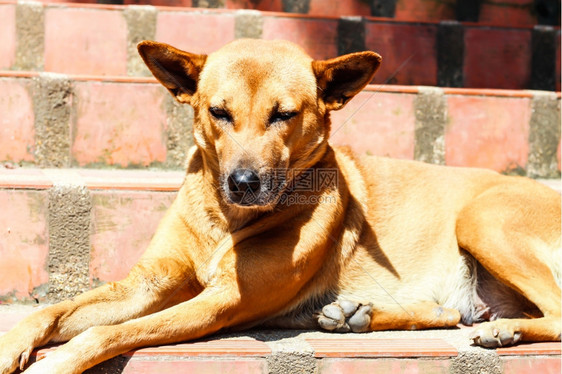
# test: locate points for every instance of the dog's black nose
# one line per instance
(243, 181)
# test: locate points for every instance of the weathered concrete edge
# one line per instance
(141, 25)
(544, 136)
(430, 109)
(69, 227)
(30, 36)
(52, 96)
(248, 24)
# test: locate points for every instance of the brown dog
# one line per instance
(272, 226)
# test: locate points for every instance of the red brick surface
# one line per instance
(382, 348)
(499, 58)
(24, 245)
(423, 10)
(122, 225)
(508, 12)
(532, 365)
(377, 123)
(119, 124)
(195, 32)
(368, 366)
(490, 132)
(208, 366)
(317, 36)
(408, 52)
(17, 129)
(264, 5)
(339, 8)
(208, 347)
(543, 348)
(7, 35)
(85, 41)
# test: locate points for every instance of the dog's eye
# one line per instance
(281, 116)
(220, 114)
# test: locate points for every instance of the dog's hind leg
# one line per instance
(513, 231)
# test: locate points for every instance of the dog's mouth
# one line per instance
(249, 188)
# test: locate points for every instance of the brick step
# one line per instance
(110, 216)
(132, 122)
(100, 40)
(508, 13)
(275, 351)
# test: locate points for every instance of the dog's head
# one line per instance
(261, 108)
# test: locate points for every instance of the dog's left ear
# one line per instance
(177, 70)
(341, 78)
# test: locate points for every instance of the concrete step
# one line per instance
(275, 351)
(100, 40)
(512, 13)
(132, 122)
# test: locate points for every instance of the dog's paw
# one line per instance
(345, 316)
(14, 352)
(495, 334)
(12, 359)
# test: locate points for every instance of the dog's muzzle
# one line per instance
(244, 187)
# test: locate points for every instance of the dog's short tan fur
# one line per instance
(405, 245)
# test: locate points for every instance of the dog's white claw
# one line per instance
(24, 358)
(474, 335)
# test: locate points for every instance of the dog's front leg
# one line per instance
(159, 280)
(248, 283)
(211, 310)
(109, 304)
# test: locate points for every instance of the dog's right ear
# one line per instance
(177, 70)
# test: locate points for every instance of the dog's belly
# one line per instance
(453, 280)
(408, 277)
